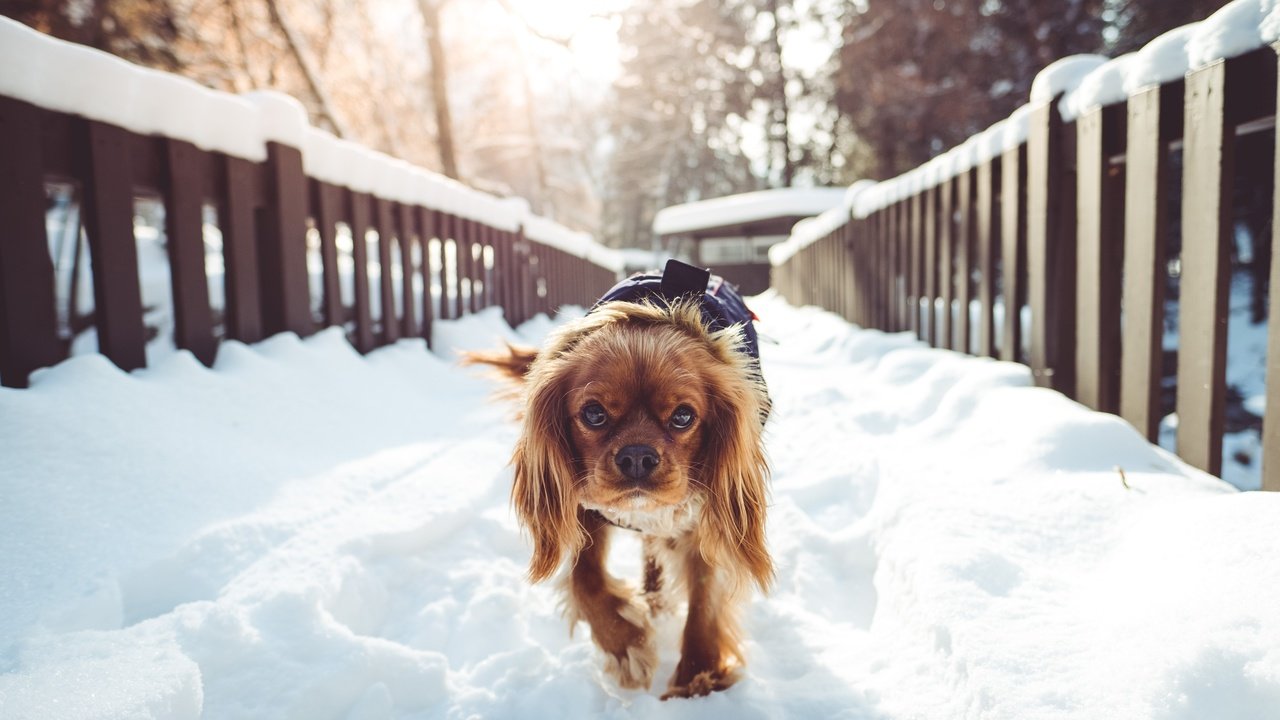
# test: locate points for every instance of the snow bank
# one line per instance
(304, 532)
(83, 81)
(745, 208)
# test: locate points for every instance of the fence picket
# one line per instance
(1155, 119)
(187, 167)
(1100, 247)
(105, 154)
(28, 305)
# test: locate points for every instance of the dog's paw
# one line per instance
(703, 683)
(630, 655)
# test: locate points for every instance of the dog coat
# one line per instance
(720, 302)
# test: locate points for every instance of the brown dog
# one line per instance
(640, 416)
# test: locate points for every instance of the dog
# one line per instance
(647, 415)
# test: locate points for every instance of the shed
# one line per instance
(732, 234)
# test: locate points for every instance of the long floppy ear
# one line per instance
(544, 473)
(731, 533)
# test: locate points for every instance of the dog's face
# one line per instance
(637, 409)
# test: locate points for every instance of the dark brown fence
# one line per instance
(267, 213)
(1075, 223)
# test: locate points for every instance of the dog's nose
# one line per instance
(637, 461)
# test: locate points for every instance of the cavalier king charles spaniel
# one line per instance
(642, 416)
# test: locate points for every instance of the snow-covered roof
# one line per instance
(79, 80)
(745, 208)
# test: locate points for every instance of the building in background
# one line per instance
(732, 234)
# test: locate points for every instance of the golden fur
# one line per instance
(702, 506)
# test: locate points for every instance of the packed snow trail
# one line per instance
(304, 533)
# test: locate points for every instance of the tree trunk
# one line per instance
(439, 85)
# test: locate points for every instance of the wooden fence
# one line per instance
(1073, 223)
(264, 211)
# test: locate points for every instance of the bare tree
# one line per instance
(430, 10)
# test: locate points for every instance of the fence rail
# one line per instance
(271, 213)
(1071, 227)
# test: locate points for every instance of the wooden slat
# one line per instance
(930, 266)
(324, 201)
(474, 262)
(946, 262)
(1051, 256)
(387, 238)
(359, 213)
(1271, 419)
(28, 309)
(186, 170)
(239, 200)
(108, 218)
(405, 221)
(915, 239)
(1155, 119)
(1212, 99)
(1013, 248)
(964, 258)
(282, 245)
(987, 243)
(426, 231)
(1099, 239)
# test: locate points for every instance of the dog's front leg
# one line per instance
(619, 623)
(709, 652)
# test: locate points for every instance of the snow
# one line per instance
(1104, 85)
(304, 532)
(1063, 76)
(79, 80)
(1234, 29)
(1162, 60)
(745, 208)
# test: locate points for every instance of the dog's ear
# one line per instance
(731, 535)
(544, 473)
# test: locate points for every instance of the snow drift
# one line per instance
(304, 532)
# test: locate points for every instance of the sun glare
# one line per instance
(592, 35)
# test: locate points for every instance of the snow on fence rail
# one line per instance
(307, 222)
(1066, 208)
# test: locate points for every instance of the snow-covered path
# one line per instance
(305, 533)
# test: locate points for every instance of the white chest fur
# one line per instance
(663, 521)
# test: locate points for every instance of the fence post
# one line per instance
(946, 264)
(387, 292)
(1271, 421)
(1013, 241)
(360, 259)
(929, 329)
(106, 177)
(1213, 99)
(1099, 237)
(986, 228)
(427, 220)
(405, 221)
(28, 309)
(186, 168)
(964, 258)
(1051, 249)
(282, 245)
(240, 188)
(1155, 119)
(324, 203)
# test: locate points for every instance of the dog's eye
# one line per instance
(682, 418)
(594, 415)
